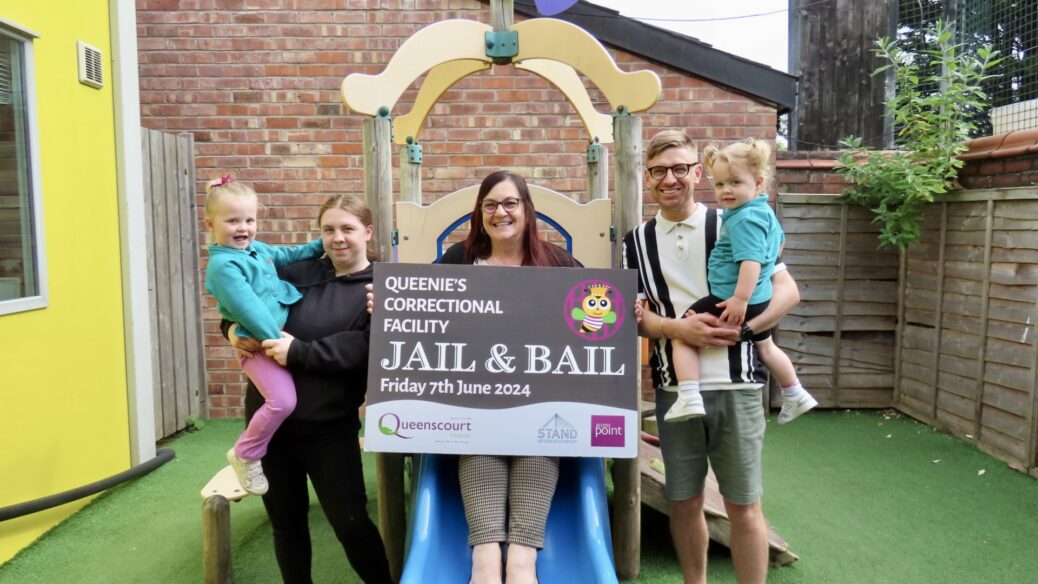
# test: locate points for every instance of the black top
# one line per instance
(329, 357)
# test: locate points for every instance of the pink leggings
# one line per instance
(274, 383)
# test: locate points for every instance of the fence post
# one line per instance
(627, 209)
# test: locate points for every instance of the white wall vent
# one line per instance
(91, 70)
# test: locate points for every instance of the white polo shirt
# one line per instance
(671, 260)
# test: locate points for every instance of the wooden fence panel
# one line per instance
(841, 336)
(177, 348)
(967, 359)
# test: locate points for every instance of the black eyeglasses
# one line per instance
(679, 170)
(490, 207)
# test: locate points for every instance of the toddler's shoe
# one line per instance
(250, 473)
(685, 408)
(792, 407)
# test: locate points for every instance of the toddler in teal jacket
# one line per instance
(242, 277)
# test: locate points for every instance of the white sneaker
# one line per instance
(685, 408)
(250, 473)
(792, 407)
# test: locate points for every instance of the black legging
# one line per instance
(330, 456)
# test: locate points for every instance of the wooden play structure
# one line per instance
(445, 53)
(217, 496)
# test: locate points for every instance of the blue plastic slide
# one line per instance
(577, 548)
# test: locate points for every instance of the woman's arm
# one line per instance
(243, 346)
(337, 353)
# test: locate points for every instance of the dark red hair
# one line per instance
(536, 251)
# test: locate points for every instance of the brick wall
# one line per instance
(1002, 161)
(257, 83)
(808, 173)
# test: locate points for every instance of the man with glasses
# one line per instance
(670, 252)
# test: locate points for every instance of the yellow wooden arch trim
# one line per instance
(562, 76)
(557, 40)
(566, 80)
(587, 223)
(442, 42)
(439, 80)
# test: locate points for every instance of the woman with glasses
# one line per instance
(503, 232)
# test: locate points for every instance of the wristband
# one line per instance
(663, 335)
(746, 333)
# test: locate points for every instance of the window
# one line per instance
(22, 279)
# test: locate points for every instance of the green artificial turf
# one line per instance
(150, 530)
(864, 498)
(858, 497)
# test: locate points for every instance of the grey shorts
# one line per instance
(730, 437)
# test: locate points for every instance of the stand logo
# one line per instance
(594, 310)
(607, 431)
(557, 431)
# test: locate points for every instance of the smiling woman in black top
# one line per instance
(326, 349)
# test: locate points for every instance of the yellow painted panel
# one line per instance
(557, 40)
(63, 381)
(442, 42)
(588, 224)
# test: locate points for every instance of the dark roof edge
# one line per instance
(679, 52)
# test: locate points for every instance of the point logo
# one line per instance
(607, 431)
(594, 310)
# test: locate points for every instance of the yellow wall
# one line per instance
(63, 392)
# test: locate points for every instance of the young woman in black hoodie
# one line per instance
(326, 348)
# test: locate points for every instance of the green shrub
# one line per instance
(931, 130)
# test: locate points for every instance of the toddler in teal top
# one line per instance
(739, 274)
(242, 277)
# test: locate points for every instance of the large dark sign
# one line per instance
(492, 360)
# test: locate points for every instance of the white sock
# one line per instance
(688, 389)
(792, 390)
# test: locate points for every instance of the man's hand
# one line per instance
(277, 349)
(703, 331)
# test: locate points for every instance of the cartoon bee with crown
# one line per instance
(596, 309)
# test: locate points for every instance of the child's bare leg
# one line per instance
(686, 360)
(777, 362)
(795, 399)
(690, 402)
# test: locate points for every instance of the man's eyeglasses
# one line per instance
(679, 170)
(490, 207)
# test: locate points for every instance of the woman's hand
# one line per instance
(277, 349)
(244, 347)
(371, 296)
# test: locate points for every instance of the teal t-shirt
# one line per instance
(748, 232)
